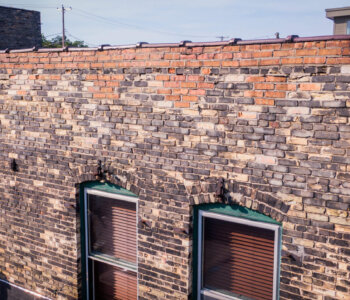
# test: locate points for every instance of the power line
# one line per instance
(26, 5)
(98, 18)
(51, 34)
(113, 21)
(79, 39)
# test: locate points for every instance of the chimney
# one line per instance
(341, 19)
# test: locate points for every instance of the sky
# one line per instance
(120, 22)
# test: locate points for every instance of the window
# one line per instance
(110, 245)
(348, 27)
(238, 258)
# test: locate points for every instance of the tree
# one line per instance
(56, 42)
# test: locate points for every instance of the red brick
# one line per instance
(164, 91)
(282, 53)
(262, 54)
(206, 85)
(197, 92)
(269, 62)
(306, 52)
(172, 56)
(346, 51)
(225, 55)
(172, 84)
(194, 64)
(212, 63)
(188, 84)
(276, 79)
(263, 101)
(286, 87)
(253, 93)
(206, 71)
(162, 77)
(292, 61)
(177, 64)
(113, 83)
(248, 62)
(232, 63)
(178, 78)
(172, 97)
(180, 91)
(310, 86)
(241, 55)
(195, 78)
(275, 94)
(99, 95)
(274, 124)
(264, 86)
(255, 47)
(188, 57)
(206, 56)
(335, 51)
(182, 104)
(271, 46)
(255, 79)
(190, 98)
(338, 60)
(314, 60)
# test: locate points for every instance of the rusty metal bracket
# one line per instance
(220, 188)
(140, 44)
(183, 43)
(290, 38)
(234, 41)
(146, 223)
(14, 165)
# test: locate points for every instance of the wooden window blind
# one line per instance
(237, 260)
(111, 282)
(112, 247)
(112, 227)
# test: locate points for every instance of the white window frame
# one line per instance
(277, 244)
(124, 266)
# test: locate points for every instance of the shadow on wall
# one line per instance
(4, 287)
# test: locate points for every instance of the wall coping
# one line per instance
(188, 44)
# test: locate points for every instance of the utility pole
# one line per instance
(63, 10)
(221, 37)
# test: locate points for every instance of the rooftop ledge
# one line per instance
(188, 44)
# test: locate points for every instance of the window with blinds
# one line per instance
(111, 245)
(238, 258)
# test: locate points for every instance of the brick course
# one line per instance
(167, 123)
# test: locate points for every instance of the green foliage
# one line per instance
(56, 42)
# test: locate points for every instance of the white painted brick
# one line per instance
(345, 69)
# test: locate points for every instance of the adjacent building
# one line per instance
(341, 18)
(19, 28)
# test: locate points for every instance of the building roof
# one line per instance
(332, 13)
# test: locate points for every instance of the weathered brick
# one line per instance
(171, 121)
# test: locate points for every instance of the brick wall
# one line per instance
(19, 28)
(272, 119)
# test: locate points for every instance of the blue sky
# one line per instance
(118, 22)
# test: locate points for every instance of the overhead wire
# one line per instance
(48, 35)
(86, 14)
(79, 39)
(113, 21)
(26, 5)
